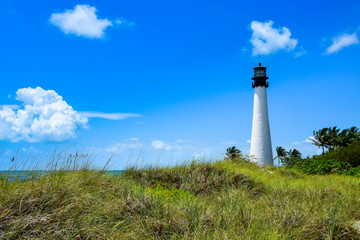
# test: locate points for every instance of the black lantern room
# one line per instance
(260, 77)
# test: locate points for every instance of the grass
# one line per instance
(219, 200)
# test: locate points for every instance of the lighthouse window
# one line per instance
(260, 73)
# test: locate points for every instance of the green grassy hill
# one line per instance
(220, 200)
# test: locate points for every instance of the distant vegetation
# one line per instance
(233, 153)
(340, 153)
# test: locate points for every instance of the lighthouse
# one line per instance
(260, 150)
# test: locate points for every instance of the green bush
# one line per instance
(349, 154)
(316, 166)
(353, 172)
(344, 160)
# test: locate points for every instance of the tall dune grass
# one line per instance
(197, 200)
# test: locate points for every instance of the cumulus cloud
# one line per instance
(81, 21)
(158, 144)
(342, 41)
(266, 40)
(109, 116)
(44, 116)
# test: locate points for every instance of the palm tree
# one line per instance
(344, 138)
(320, 138)
(281, 153)
(289, 158)
(233, 152)
(353, 135)
(332, 138)
(294, 153)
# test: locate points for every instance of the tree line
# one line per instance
(340, 153)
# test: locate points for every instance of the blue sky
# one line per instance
(166, 81)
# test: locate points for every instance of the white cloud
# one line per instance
(265, 39)
(81, 21)
(109, 116)
(342, 41)
(125, 23)
(300, 53)
(203, 154)
(307, 140)
(44, 116)
(12, 106)
(31, 149)
(158, 144)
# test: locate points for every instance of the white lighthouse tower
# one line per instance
(261, 150)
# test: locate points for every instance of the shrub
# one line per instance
(344, 160)
(353, 172)
(349, 154)
(315, 166)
